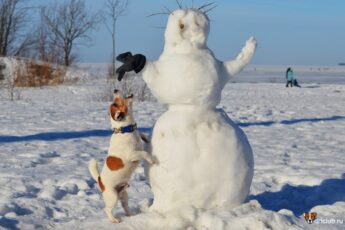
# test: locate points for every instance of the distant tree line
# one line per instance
(61, 27)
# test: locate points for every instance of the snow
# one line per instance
(205, 169)
(48, 137)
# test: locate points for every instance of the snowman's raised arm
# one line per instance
(243, 58)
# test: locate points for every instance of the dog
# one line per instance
(310, 217)
(124, 154)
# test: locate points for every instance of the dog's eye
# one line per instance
(115, 105)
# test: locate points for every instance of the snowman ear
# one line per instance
(179, 4)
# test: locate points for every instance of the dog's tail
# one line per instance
(93, 169)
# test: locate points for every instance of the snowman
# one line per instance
(204, 159)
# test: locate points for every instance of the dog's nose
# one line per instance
(120, 116)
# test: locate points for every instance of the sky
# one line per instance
(289, 32)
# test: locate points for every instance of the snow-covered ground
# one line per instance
(297, 136)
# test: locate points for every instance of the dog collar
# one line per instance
(126, 129)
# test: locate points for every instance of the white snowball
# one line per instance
(205, 161)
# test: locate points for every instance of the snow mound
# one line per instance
(250, 216)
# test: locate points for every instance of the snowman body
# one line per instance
(205, 160)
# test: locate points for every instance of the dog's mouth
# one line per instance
(119, 116)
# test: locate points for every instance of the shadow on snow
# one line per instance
(302, 198)
(290, 122)
(54, 136)
(9, 223)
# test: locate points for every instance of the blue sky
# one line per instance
(289, 32)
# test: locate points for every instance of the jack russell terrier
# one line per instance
(124, 154)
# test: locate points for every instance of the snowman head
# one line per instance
(186, 29)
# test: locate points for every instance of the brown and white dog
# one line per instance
(310, 217)
(124, 154)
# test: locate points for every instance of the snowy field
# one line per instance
(297, 134)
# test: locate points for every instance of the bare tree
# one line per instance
(14, 34)
(8, 83)
(45, 46)
(114, 10)
(69, 22)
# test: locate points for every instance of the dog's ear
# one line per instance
(112, 111)
(306, 215)
(313, 215)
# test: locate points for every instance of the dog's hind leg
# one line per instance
(124, 201)
(110, 198)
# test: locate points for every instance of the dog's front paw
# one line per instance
(152, 160)
(115, 221)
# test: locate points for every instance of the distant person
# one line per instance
(295, 83)
(289, 77)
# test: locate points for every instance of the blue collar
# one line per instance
(126, 129)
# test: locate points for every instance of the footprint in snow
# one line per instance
(58, 192)
(49, 155)
(286, 158)
(16, 209)
(30, 192)
(44, 158)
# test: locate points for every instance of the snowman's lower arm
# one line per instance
(151, 73)
(243, 58)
